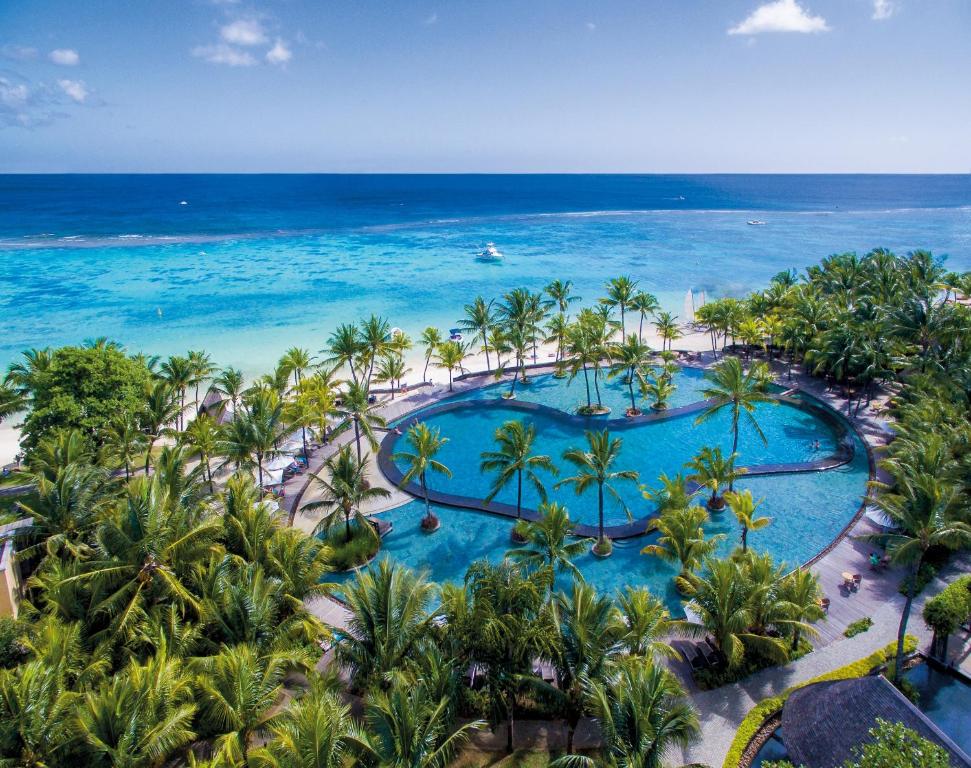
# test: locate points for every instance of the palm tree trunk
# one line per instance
(424, 374)
(449, 379)
(306, 453)
(148, 454)
(424, 490)
(630, 387)
(357, 438)
(570, 731)
(519, 495)
(640, 329)
(600, 506)
(623, 322)
(731, 480)
(511, 706)
(586, 380)
(904, 618)
(259, 467)
(596, 382)
(744, 538)
(485, 347)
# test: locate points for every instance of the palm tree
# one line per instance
(125, 440)
(302, 411)
(11, 400)
(239, 689)
(801, 594)
(344, 347)
(140, 717)
(315, 731)
(479, 319)
(296, 360)
(514, 458)
(667, 328)
(646, 623)
(720, 597)
(643, 713)
(658, 389)
(390, 620)
(738, 390)
(548, 543)
(630, 358)
(712, 470)
(682, 540)
(450, 355)
(202, 368)
(345, 489)
(620, 293)
(557, 329)
(927, 512)
(589, 629)
(231, 384)
(391, 370)
(409, 727)
(559, 293)
(360, 414)
(594, 468)
(425, 442)
(430, 339)
(375, 337)
(161, 409)
(745, 507)
(645, 304)
(203, 438)
(179, 372)
(254, 431)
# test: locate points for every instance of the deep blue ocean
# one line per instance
(245, 266)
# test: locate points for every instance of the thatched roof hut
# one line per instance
(824, 722)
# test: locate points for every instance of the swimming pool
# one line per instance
(808, 510)
(945, 699)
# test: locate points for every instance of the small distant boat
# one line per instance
(756, 223)
(491, 253)
(183, 202)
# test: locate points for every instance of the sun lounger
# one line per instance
(691, 655)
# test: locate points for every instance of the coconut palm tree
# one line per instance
(682, 540)
(425, 442)
(479, 319)
(202, 368)
(595, 468)
(629, 360)
(344, 347)
(745, 507)
(359, 413)
(252, 436)
(643, 713)
(646, 623)
(125, 441)
(557, 328)
(559, 292)
(712, 470)
(140, 717)
(927, 512)
(658, 389)
(314, 731)
(202, 436)
(644, 304)
(230, 384)
(392, 369)
(179, 372)
(345, 489)
(389, 623)
(409, 727)
(739, 391)
(11, 400)
(548, 542)
(514, 458)
(239, 689)
(620, 293)
(800, 593)
(375, 337)
(296, 360)
(430, 339)
(450, 355)
(667, 328)
(160, 411)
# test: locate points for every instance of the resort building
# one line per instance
(10, 582)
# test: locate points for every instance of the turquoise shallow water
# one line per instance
(808, 510)
(252, 265)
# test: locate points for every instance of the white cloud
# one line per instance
(76, 90)
(279, 53)
(66, 57)
(591, 26)
(243, 32)
(224, 54)
(883, 9)
(18, 52)
(780, 16)
(431, 19)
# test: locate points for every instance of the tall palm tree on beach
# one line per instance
(667, 328)
(230, 383)
(375, 337)
(202, 368)
(644, 304)
(178, 371)
(595, 468)
(161, 409)
(450, 355)
(252, 436)
(359, 413)
(560, 292)
(732, 387)
(431, 339)
(620, 293)
(344, 347)
(514, 458)
(479, 318)
(296, 360)
(425, 443)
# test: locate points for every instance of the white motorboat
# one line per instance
(756, 223)
(491, 253)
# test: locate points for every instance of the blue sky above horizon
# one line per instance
(468, 86)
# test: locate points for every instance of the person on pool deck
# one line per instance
(874, 560)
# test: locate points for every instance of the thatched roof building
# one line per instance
(824, 722)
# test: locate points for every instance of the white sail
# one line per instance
(688, 315)
(702, 300)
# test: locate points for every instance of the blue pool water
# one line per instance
(946, 700)
(808, 510)
(254, 264)
(652, 448)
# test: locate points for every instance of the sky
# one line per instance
(485, 86)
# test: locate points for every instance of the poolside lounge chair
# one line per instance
(824, 604)
(692, 657)
(857, 580)
(709, 650)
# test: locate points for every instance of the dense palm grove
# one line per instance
(165, 617)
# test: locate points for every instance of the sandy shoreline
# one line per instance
(414, 359)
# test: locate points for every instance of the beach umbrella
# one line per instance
(272, 477)
(279, 462)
